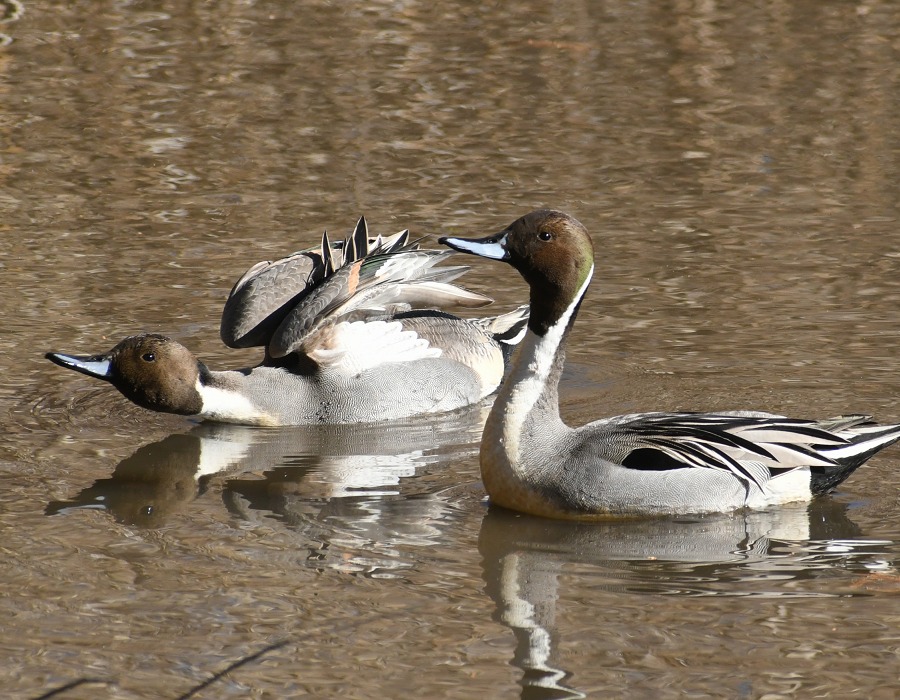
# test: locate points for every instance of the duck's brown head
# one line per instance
(551, 250)
(151, 370)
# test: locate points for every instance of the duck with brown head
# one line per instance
(153, 371)
(353, 332)
(637, 464)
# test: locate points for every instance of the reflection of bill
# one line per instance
(767, 552)
(147, 487)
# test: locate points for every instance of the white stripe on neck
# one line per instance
(230, 407)
(528, 377)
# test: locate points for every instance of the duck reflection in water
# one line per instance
(149, 486)
(523, 557)
(304, 475)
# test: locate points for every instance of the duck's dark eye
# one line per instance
(148, 357)
(545, 235)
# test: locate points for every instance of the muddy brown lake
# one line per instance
(737, 166)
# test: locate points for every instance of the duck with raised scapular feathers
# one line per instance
(352, 333)
(643, 463)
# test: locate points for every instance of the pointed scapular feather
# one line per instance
(856, 420)
(359, 241)
(512, 321)
(383, 245)
(328, 256)
(722, 437)
(446, 274)
(393, 242)
(791, 455)
(703, 454)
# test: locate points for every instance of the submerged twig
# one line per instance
(240, 662)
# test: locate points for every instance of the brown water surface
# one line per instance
(737, 165)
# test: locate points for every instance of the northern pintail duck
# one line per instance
(644, 463)
(346, 340)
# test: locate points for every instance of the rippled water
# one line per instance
(737, 167)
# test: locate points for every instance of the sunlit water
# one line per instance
(737, 167)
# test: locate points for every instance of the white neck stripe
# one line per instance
(528, 377)
(228, 406)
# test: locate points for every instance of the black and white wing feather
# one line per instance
(754, 447)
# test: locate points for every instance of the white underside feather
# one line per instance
(353, 347)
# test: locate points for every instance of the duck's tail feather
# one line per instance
(864, 438)
(507, 329)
